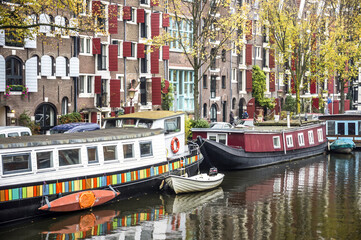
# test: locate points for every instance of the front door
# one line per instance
(45, 116)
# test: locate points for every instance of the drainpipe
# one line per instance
(230, 84)
(76, 41)
(125, 59)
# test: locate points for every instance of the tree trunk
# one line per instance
(342, 97)
(196, 93)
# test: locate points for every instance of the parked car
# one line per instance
(74, 127)
(14, 131)
(245, 123)
(220, 125)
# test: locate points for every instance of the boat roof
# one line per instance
(12, 127)
(101, 135)
(346, 116)
(151, 115)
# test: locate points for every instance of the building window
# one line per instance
(85, 84)
(13, 39)
(233, 103)
(204, 81)
(143, 91)
(213, 58)
(183, 84)
(205, 110)
(223, 82)
(102, 58)
(144, 27)
(258, 53)
(213, 113)
(14, 71)
(120, 46)
(182, 29)
(144, 61)
(64, 106)
(213, 86)
(85, 45)
(234, 75)
(301, 140)
(223, 55)
(289, 141)
(52, 60)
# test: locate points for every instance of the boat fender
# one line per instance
(161, 185)
(175, 148)
(86, 199)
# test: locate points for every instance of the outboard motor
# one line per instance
(213, 171)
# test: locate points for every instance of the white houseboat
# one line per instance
(36, 170)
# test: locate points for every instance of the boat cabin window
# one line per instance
(112, 123)
(143, 123)
(222, 138)
(129, 122)
(301, 139)
(310, 137)
(16, 163)
(213, 138)
(110, 152)
(145, 149)
(331, 127)
(172, 125)
(128, 151)
(92, 154)
(289, 141)
(276, 142)
(340, 128)
(44, 159)
(320, 135)
(69, 157)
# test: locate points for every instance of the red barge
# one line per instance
(236, 149)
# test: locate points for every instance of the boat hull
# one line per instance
(17, 211)
(227, 158)
(197, 183)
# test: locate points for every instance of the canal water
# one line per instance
(314, 198)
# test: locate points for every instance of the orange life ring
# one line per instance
(176, 148)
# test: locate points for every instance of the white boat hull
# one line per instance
(197, 183)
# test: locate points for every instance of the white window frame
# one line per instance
(258, 53)
(53, 161)
(87, 45)
(133, 15)
(280, 79)
(278, 145)
(121, 78)
(320, 135)
(234, 49)
(311, 139)
(301, 139)
(217, 136)
(120, 12)
(234, 75)
(120, 47)
(87, 94)
(134, 52)
(289, 141)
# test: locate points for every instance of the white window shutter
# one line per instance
(2, 74)
(73, 23)
(30, 42)
(46, 66)
(2, 37)
(60, 67)
(74, 67)
(57, 21)
(31, 77)
(44, 18)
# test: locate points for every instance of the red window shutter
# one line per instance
(113, 19)
(93, 117)
(330, 85)
(154, 24)
(249, 30)
(165, 22)
(156, 91)
(140, 15)
(315, 103)
(272, 58)
(248, 54)
(166, 52)
(313, 85)
(141, 50)
(127, 13)
(127, 49)
(154, 3)
(113, 57)
(154, 60)
(272, 82)
(112, 114)
(98, 85)
(249, 80)
(114, 93)
(96, 46)
(96, 8)
(166, 86)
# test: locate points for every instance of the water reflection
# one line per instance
(316, 198)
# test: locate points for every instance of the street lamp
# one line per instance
(131, 92)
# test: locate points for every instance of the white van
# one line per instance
(14, 131)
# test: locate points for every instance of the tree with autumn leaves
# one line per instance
(215, 27)
(316, 43)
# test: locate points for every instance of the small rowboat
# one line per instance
(342, 145)
(197, 183)
(80, 200)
